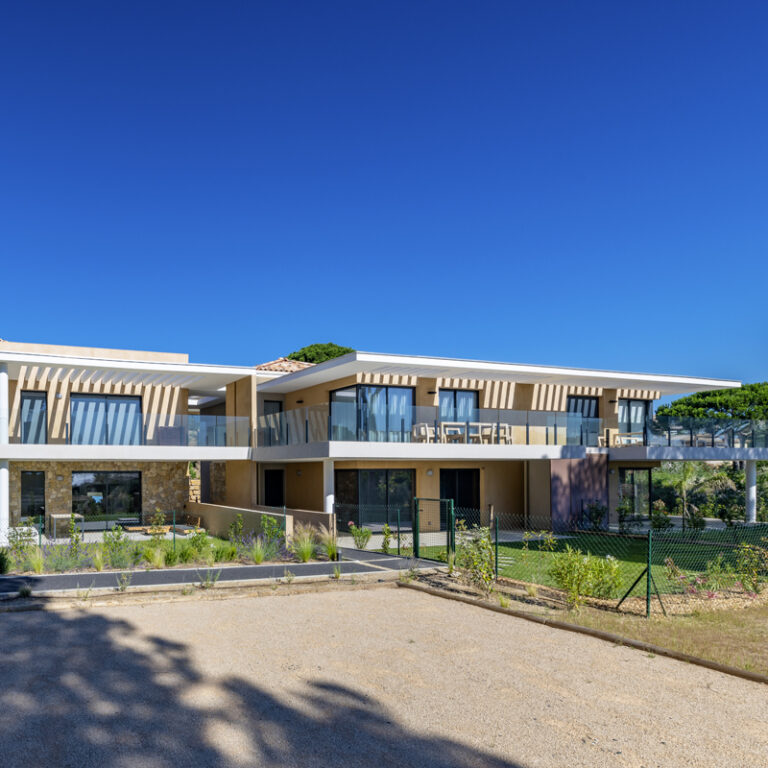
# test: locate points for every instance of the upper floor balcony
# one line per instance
(677, 432)
(349, 422)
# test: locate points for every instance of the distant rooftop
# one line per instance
(284, 365)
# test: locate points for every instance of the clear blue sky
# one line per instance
(581, 183)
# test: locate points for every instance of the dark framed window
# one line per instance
(372, 413)
(375, 496)
(633, 415)
(34, 417)
(105, 420)
(107, 495)
(32, 494)
(635, 484)
(583, 405)
(458, 405)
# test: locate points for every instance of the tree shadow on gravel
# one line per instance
(81, 689)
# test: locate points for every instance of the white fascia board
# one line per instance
(352, 451)
(137, 453)
(209, 375)
(435, 367)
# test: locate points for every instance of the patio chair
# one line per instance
(422, 433)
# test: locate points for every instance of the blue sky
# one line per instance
(565, 183)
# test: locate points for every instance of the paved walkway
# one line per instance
(354, 562)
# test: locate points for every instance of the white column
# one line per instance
(328, 487)
(4, 479)
(751, 478)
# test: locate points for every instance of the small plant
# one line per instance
(97, 558)
(570, 572)
(503, 600)
(171, 555)
(304, 542)
(288, 576)
(75, 539)
(271, 528)
(224, 552)
(329, 544)
(123, 581)
(361, 535)
(157, 523)
(188, 590)
(116, 546)
(25, 591)
(547, 541)
(186, 553)
(604, 576)
(236, 529)
(596, 515)
(20, 543)
(386, 538)
(36, 560)
(60, 559)
(336, 572)
(5, 561)
(262, 549)
(751, 565)
(532, 590)
(474, 557)
(85, 594)
(155, 557)
(210, 579)
(451, 560)
(199, 541)
(660, 516)
(720, 574)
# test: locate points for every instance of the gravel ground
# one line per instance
(380, 677)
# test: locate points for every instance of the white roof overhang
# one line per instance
(438, 367)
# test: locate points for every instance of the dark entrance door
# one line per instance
(461, 485)
(32, 494)
(274, 487)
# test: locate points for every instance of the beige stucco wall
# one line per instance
(163, 484)
(304, 485)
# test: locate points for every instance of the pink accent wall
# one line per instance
(574, 483)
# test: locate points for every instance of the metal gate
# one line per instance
(433, 528)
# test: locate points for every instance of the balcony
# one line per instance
(349, 422)
(696, 433)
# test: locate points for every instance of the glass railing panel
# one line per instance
(343, 421)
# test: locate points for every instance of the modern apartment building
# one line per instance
(115, 434)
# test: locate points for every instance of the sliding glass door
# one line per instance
(105, 420)
(633, 415)
(370, 413)
(459, 405)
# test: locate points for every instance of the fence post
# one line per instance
(398, 531)
(496, 547)
(451, 533)
(416, 528)
(648, 576)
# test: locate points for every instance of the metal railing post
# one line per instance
(451, 538)
(415, 518)
(648, 576)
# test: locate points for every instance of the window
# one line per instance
(372, 413)
(375, 496)
(105, 420)
(633, 415)
(32, 494)
(585, 406)
(458, 405)
(107, 495)
(635, 485)
(34, 417)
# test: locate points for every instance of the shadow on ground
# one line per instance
(85, 690)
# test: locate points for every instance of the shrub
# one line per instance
(581, 575)
(596, 515)
(304, 542)
(329, 544)
(474, 557)
(97, 558)
(751, 565)
(660, 516)
(75, 539)
(361, 535)
(186, 553)
(21, 540)
(604, 578)
(171, 554)
(155, 557)
(720, 574)
(199, 541)
(59, 558)
(271, 528)
(224, 552)
(5, 563)
(386, 537)
(236, 529)
(116, 546)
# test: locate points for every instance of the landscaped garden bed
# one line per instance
(118, 551)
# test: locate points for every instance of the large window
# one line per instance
(34, 417)
(375, 496)
(585, 406)
(635, 485)
(107, 495)
(372, 414)
(586, 429)
(105, 420)
(633, 415)
(459, 405)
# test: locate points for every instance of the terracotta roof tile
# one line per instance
(284, 365)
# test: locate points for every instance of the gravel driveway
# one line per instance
(381, 677)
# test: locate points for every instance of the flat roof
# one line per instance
(442, 367)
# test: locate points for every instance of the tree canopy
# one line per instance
(319, 353)
(747, 402)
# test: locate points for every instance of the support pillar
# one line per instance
(751, 485)
(328, 486)
(4, 477)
